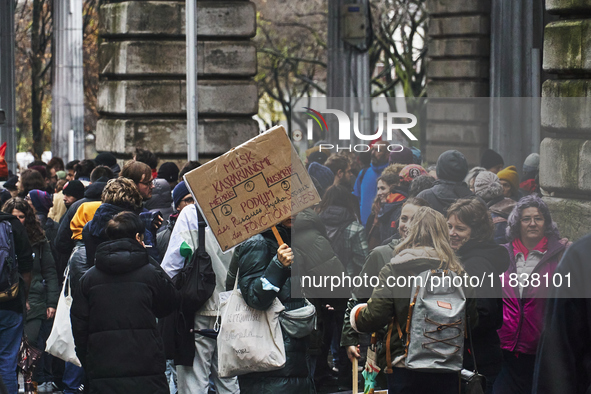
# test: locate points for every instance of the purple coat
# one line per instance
(523, 318)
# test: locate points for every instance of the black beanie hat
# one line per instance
(105, 159)
(490, 159)
(452, 166)
(74, 188)
(169, 171)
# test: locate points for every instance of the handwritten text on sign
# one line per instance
(252, 187)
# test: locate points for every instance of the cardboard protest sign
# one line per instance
(252, 187)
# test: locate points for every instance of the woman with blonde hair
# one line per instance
(427, 247)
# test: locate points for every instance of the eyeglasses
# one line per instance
(188, 200)
(150, 183)
(27, 198)
(536, 219)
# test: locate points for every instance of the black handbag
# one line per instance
(471, 381)
(196, 280)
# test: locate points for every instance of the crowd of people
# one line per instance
(122, 234)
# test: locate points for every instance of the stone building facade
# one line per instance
(142, 96)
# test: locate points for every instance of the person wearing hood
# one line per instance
(41, 202)
(118, 343)
(161, 200)
(531, 171)
(107, 159)
(452, 168)
(365, 188)
(470, 232)
(489, 188)
(535, 248)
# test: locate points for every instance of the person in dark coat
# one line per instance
(114, 314)
(44, 290)
(470, 232)
(563, 364)
(452, 168)
(264, 274)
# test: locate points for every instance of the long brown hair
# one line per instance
(32, 225)
(428, 228)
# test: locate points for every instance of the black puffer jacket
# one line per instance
(257, 257)
(483, 259)
(444, 193)
(114, 320)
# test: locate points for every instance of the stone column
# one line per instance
(459, 52)
(565, 166)
(142, 96)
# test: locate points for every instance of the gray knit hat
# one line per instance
(488, 186)
(531, 163)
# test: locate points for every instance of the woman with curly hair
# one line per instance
(44, 290)
(535, 248)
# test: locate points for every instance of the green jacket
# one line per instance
(390, 301)
(260, 275)
(43, 295)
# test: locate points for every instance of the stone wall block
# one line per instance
(458, 69)
(150, 18)
(566, 105)
(562, 165)
(460, 132)
(168, 138)
(459, 47)
(148, 58)
(169, 97)
(563, 7)
(459, 26)
(571, 215)
(459, 110)
(443, 7)
(567, 47)
(438, 88)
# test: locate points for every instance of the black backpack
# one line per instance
(9, 276)
(196, 280)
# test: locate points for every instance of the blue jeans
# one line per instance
(11, 332)
(73, 378)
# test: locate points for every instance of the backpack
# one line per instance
(196, 281)
(436, 323)
(9, 276)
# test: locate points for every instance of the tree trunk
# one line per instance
(36, 81)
